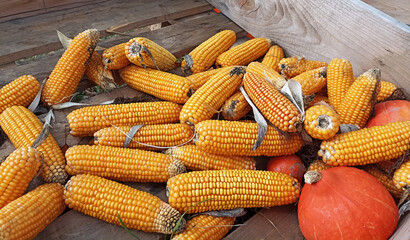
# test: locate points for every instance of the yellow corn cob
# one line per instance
(195, 159)
(204, 56)
(105, 199)
(114, 57)
(318, 98)
(276, 108)
(321, 122)
(161, 84)
(19, 92)
(339, 79)
(23, 127)
(386, 90)
(238, 138)
(318, 165)
(235, 107)
(121, 164)
(368, 145)
(16, 173)
(29, 214)
(293, 66)
(312, 80)
(205, 227)
(86, 121)
(243, 54)
(199, 79)
(70, 68)
(360, 98)
(273, 57)
(401, 177)
(206, 101)
(229, 189)
(98, 74)
(161, 135)
(384, 179)
(277, 80)
(139, 51)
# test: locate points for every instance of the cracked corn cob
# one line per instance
(229, 189)
(146, 53)
(207, 100)
(312, 81)
(384, 179)
(19, 92)
(160, 84)
(16, 172)
(277, 80)
(195, 159)
(161, 135)
(235, 107)
(86, 121)
(274, 106)
(29, 214)
(273, 57)
(122, 164)
(115, 57)
(105, 199)
(204, 56)
(367, 145)
(70, 68)
(360, 99)
(238, 138)
(243, 54)
(293, 66)
(205, 227)
(23, 127)
(98, 74)
(339, 79)
(321, 122)
(401, 177)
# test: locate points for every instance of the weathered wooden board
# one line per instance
(326, 29)
(399, 9)
(34, 35)
(403, 228)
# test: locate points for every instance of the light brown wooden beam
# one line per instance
(399, 9)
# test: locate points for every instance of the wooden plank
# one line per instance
(403, 228)
(273, 223)
(36, 35)
(327, 29)
(399, 9)
(13, 7)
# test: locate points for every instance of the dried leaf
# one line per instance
(36, 101)
(345, 128)
(237, 212)
(293, 91)
(64, 40)
(131, 134)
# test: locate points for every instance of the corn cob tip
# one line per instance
(238, 70)
(169, 218)
(176, 167)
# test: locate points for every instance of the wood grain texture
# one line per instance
(37, 34)
(403, 228)
(399, 9)
(326, 29)
(13, 7)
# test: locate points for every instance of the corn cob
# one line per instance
(238, 138)
(318, 98)
(195, 159)
(144, 52)
(20, 92)
(277, 80)
(229, 189)
(121, 164)
(384, 179)
(98, 74)
(360, 99)
(205, 227)
(339, 79)
(199, 79)
(312, 80)
(387, 166)
(368, 145)
(161, 135)
(276, 108)
(115, 57)
(235, 107)
(206, 101)
(321, 122)
(161, 84)
(23, 127)
(16, 173)
(401, 177)
(204, 56)
(86, 121)
(243, 54)
(70, 68)
(273, 57)
(318, 165)
(293, 66)
(29, 214)
(386, 90)
(105, 199)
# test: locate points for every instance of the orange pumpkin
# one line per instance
(345, 203)
(390, 111)
(290, 164)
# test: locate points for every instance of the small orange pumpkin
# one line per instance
(290, 164)
(390, 111)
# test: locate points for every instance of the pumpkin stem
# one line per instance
(312, 177)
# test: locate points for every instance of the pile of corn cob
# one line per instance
(186, 127)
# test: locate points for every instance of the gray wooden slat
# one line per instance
(399, 9)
